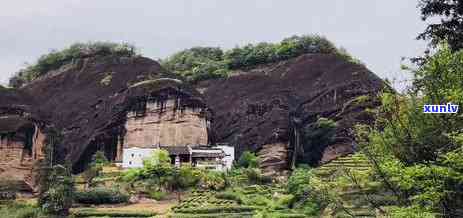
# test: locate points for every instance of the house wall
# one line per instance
(229, 156)
(165, 126)
(133, 157)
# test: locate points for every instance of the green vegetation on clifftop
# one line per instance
(55, 59)
(202, 63)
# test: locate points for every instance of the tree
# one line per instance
(58, 199)
(248, 160)
(96, 166)
(450, 27)
(315, 138)
(418, 157)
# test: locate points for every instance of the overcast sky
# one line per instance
(377, 32)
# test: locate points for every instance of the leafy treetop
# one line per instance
(450, 27)
(202, 63)
(55, 59)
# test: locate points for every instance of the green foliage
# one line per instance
(99, 160)
(159, 157)
(198, 63)
(248, 160)
(92, 212)
(255, 176)
(55, 59)
(16, 210)
(132, 175)
(59, 196)
(101, 196)
(418, 157)
(450, 26)
(213, 180)
(315, 138)
(311, 195)
(410, 212)
(230, 195)
(202, 63)
(157, 195)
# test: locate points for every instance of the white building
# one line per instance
(133, 157)
(214, 158)
(229, 155)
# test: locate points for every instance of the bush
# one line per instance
(254, 176)
(315, 138)
(158, 195)
(101, 196)
(230, 195)
(58, 198)
(248, 160)
(213, 180)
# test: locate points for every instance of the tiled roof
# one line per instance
(176, 150)
(208, 154)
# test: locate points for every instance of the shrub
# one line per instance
(59, 197)
(254, 176)
(213, 180)
(96, 166)
(230, 195)
(101, 196)
(315, 137)
(158, 195)
(248, 160)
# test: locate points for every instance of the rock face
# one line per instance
(163, 113)
(109, 103)
(106, 103)
(21, 140)
(168, 127)
(263, 109)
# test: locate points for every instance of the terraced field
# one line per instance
(253, 200)
(205, 204)
(354, 202)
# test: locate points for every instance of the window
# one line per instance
(130, 162)
(133, 155)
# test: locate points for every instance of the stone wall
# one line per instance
(163, 124)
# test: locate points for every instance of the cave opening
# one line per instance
(29, 132)
(109, 143)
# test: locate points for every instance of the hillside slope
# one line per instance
(264, 109)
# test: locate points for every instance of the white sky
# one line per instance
(377, 32)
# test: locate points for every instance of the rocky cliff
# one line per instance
(266, 108)
(109, 103)
(95, 103)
